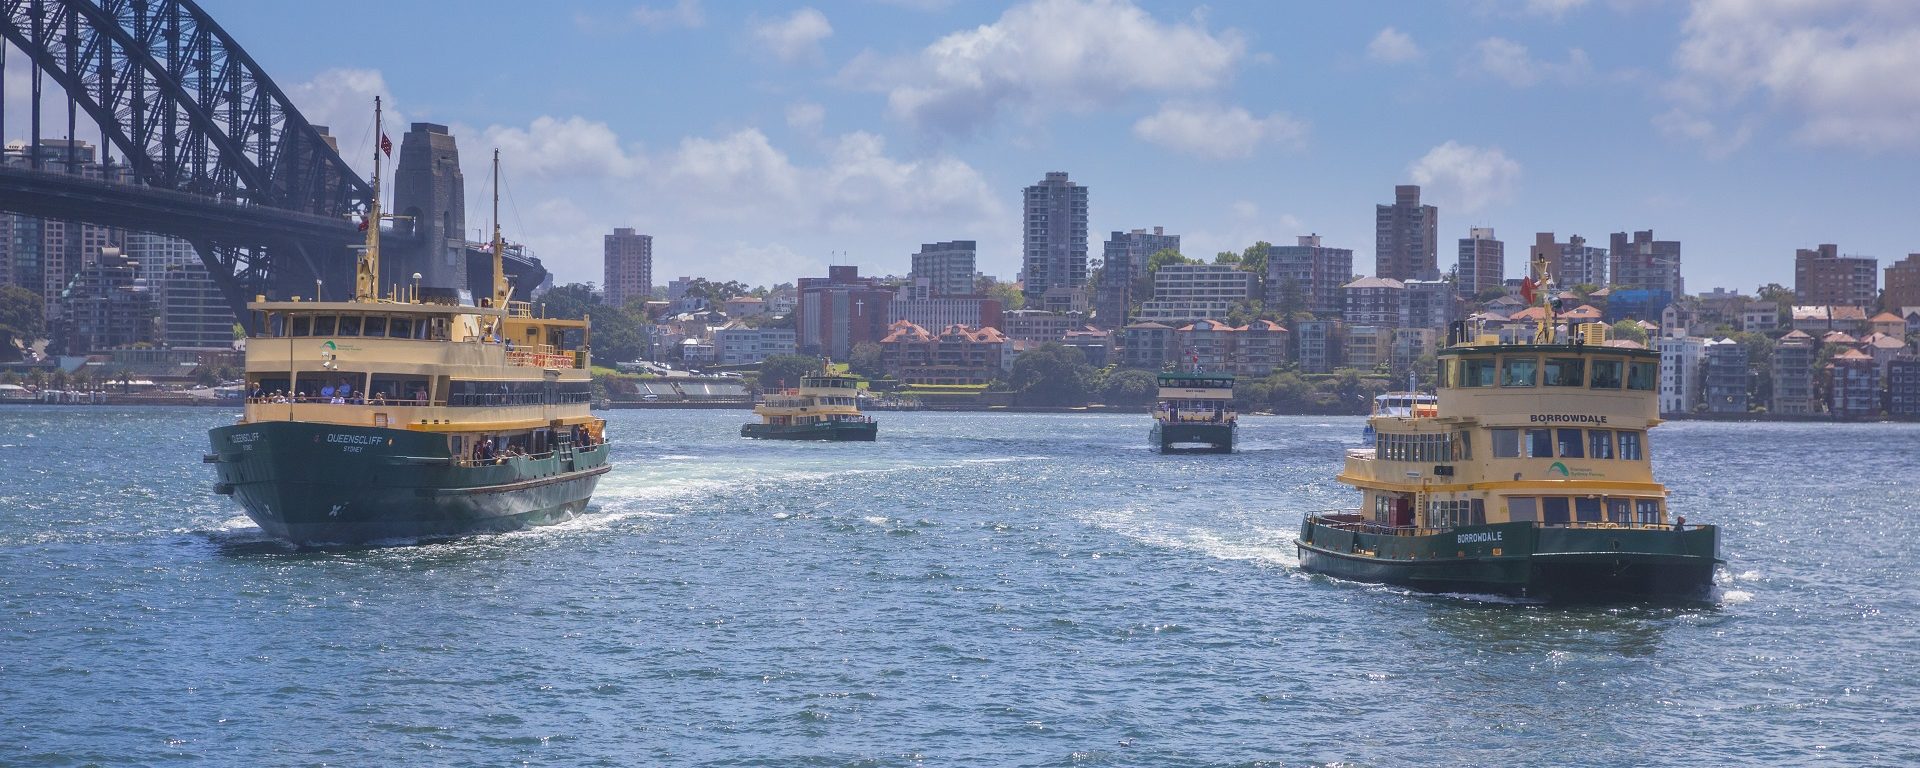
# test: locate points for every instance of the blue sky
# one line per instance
(761, 141)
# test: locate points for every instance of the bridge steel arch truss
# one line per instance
(191, 112)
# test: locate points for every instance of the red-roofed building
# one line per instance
(1853, 386)
(959, 354)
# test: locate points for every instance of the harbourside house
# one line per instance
(1852, 386)
(1726, 377)
(958, 355)
(1321, 345)
(1903, 388)
(1262, 348)
(1039, 326)
(1094, 343)
(738, 344)
(1792, 363)
(1680, 363)
(1147, 345)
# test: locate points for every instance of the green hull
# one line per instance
(854, 431)
(1192, 437)
(1555, 563)
(326, 484)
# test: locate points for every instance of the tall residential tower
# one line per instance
(1483, 263)
(1055, 231)
(1406, 237)
(629, 266)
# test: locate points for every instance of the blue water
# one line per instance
(970, 590)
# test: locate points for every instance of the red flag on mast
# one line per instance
(1526, 290)
(386, 145)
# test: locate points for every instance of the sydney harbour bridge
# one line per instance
(206, 148)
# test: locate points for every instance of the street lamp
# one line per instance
(415, 295)
(316, 289)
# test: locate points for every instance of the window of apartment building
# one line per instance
(1519, 372)
(1565, 372)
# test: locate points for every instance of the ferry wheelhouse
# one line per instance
(401, 418)
(1194, 414)
(826, 406)
(1529, 475)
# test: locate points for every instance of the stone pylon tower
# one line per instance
(429, 189)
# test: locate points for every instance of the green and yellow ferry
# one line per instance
(1531, 477)
(1194, 414)
(826, 406)
(400, 419)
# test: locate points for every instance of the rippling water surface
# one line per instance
(972, 589)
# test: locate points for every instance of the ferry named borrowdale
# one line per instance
(826, 406)
(1529, 474)
(399, 417)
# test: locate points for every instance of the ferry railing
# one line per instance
(1332, 518)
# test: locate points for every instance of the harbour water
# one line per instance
(969, 590)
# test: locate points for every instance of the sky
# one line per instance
(762, 141)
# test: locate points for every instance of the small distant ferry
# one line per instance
(1194, 414)
(402, 417)
(1529, 474)
(826, 406)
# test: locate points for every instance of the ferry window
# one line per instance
(1554, 510)
(1539, 443)
(1600, 441)
(349, 325)
(1465, 450)
(400, 328)
(437, 331)
(302, 325)
(1619, 511)
(1522, 509)
(276, 324)
(1478, 512)
(1629, 446)
(1445, 374)
(1506, 443)
(1519, 372)
(323, 325)
(399, 389)
(1606, 374)
(1476, 372)
(1382, 510)
(261, 387)
(1648, 510)
(1586, 510)
(1565, 372)
(1570, 445)
(374, 327)
(1642, 375)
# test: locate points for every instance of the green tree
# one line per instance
(1130, 387)
(1052, 374)
(617, 336)
(865, 359)
(1009, 294)
(1292, 302)
(1254, 258)
(1289, 393)
(1166, 256)
(715, 293)
(779, 371)
(1631, 331)
(1251, 395)
(571, 301)
(22, 320)
(1226, 257)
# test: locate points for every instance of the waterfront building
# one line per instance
(958, 355)
(1887, 323)
(744, 306)
(1054, 229)
(1309, 275)
(1822, 319)
(1095, 343)
(1186, 292)
(627, 257)
(1681, 319)
(1482, 265)
(1792, 372)
(948, 267)
(841, 310)
(921, 304)
(1903, 389)
(697, 352)
(1903, 284)
(1884, 349)
(1406, 237)
(1207, 346)
(1853, 390)
(1321, 345)
(737, 344)
(106, 305)
(1726, 377)
(1681, 359)
(1639, 261)
(193, 312)
(1262, 348)
(1123, 261)
(1759, 317)
(1572, 262)
(1038, 326)
(1148, 345)
(1368, 347)
(1374, 301)
(1821, 276)
(1431, 304)
(1410, 344)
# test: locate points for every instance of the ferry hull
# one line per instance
(1560, 564)
(843, 431)
(1192, 438)
(324, 484)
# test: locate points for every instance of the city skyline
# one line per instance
(754, 141)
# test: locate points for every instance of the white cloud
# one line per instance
(1719, 142)
(1045, 55)
(1464, 177)
(1511, 61)
(795, 38)
(806, 117)
(684, 14)
(1217, 133)
(1393, 46)
(1842, 70)
(1553, 8)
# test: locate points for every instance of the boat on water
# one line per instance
(1528, 475)
(1407, 403)
(826, 406)
(402, 417)
(1194, 413)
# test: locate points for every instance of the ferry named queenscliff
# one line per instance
(398, 418)
(1530, 476)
